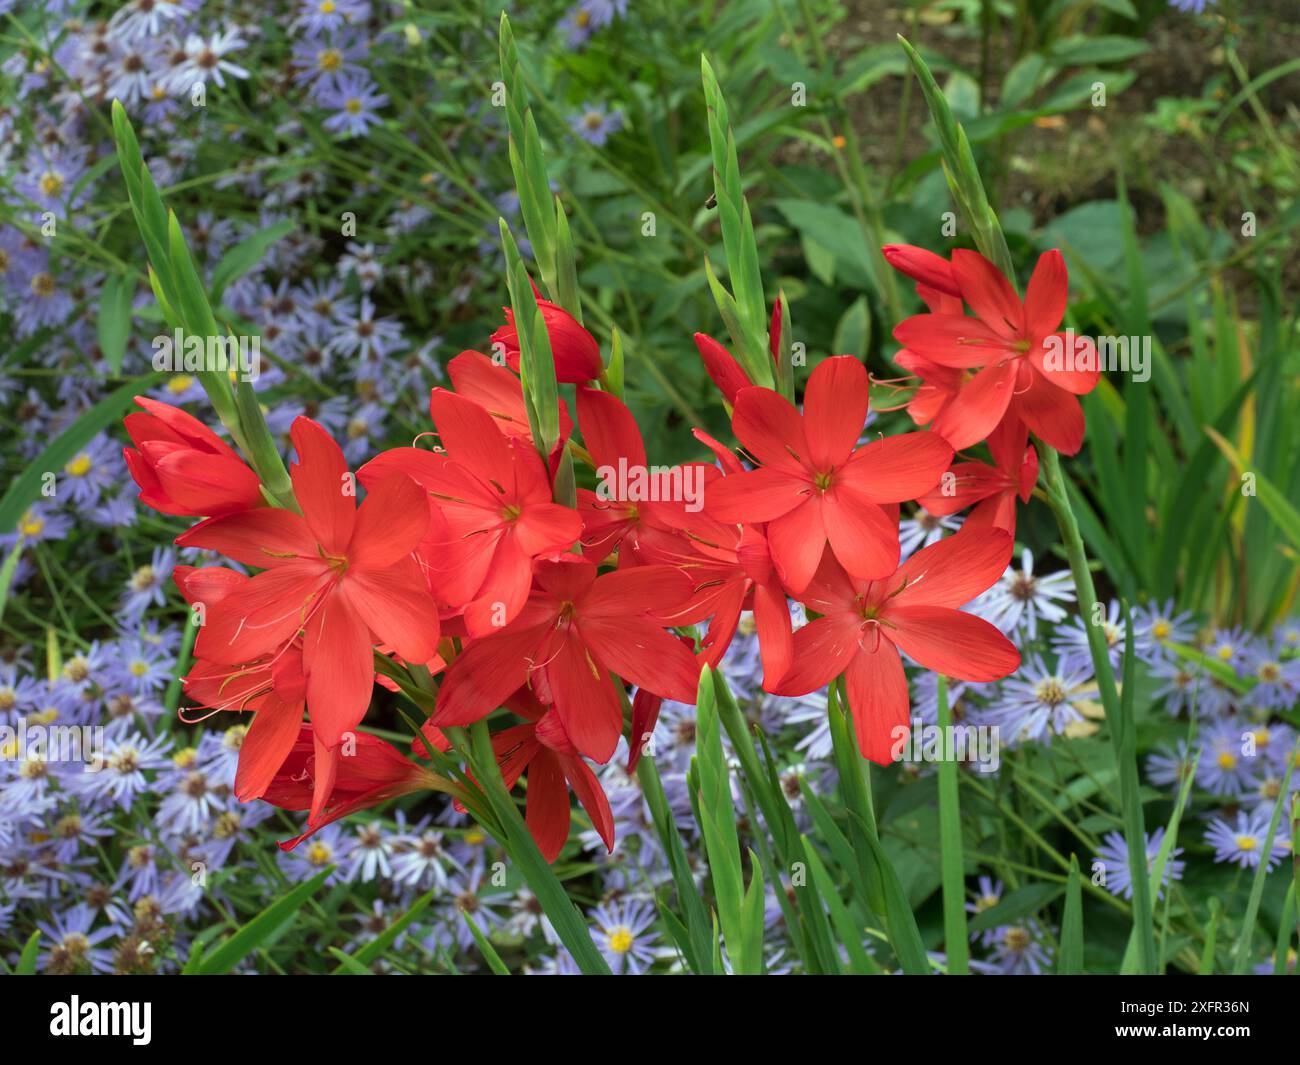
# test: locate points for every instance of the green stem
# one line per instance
(956, 936)
(1122, 734)
(518, 842)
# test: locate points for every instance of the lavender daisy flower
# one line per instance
(1037, 703)
(1071, 641)
(354, 99)
(923, 529)
(1232, 647)
(1243, 843)
(1277, 678)
(1224, 768)
(421, 861)
(988, 896)
(144, 18)
(1183, 684)
(1021, 598)
(594, 125)
(122, 777)
(1157, 625)
(74, 948)
(42, 302)
(1017, 950)
(327, 847)
(205, 60)
(148, 584)
(1113, 858)
(1167, 767)
(624, 935)
(366, 337)
(326, 16)
(1193, 7)
(321, 62)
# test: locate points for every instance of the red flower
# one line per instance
(342, 577)
(610, 518)
(371, 773)
(993, 488)
(183, 467)
(924, 267)
(498, 391)
(864, 624)
(814, 486)
(542, 750)
(496, 513)
(1014, 344)
(576, 629)
(272, 688)
(721, 366)
(574, 351)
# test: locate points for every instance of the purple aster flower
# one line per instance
(923, 529)
(205, 60)
(1021, 598)
(1157, 625)
(321, 61)
(148, 584)
(73, 948)
(624, 934)
(594, 125)
(1037, 703)
(1277, 677)
(1167, 768)
(1243, 843)
(354, 99)
(1113, 856)
(1071, 641)
(1194, 7)
(422, 860)
(365, 336)
(326, 16)
(1016, 950)
(122, 777)
(1224, 768)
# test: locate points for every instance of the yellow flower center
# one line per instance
(621, 939)
(1227, 760)
(1247, 843)
(79, 466)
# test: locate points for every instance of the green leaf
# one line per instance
(264, 927)
(114, 323)
(1070, 960)
(348, 964)
(373, 950)
(956, 937)
(1079, 49)
(26, 488)
(27, 960)
(243, 256)
(485, 947)
(1241, 958)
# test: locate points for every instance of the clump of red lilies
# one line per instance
(571, 620)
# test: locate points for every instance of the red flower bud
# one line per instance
(183, 467)
(574, 351)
